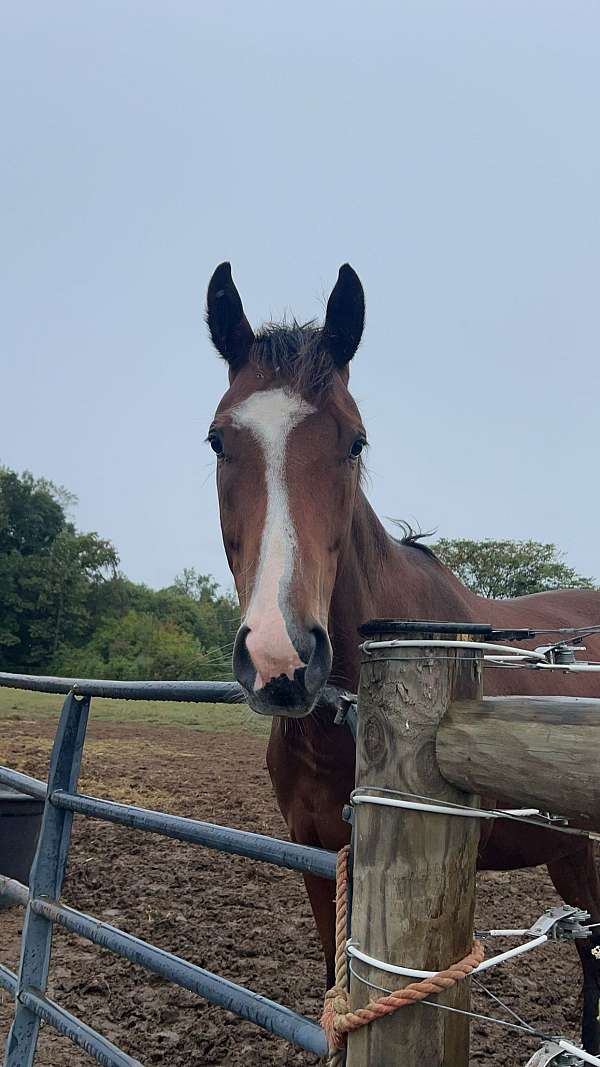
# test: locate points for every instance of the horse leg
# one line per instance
(576, 880)
(321, 893)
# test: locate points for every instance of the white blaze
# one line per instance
(271, 416)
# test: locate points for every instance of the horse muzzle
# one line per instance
(290, 687)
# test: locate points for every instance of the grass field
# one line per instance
(16, 704)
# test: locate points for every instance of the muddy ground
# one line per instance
(247, 921)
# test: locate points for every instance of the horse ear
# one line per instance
(345, 317)
(230, 330)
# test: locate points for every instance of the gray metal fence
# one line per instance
(42, 897)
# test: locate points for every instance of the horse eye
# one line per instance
(216, 444)
(357, 447)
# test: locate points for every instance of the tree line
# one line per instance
(504, 569)
(67, 608)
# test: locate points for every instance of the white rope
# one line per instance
(513, 657)
(520, 811)
(501, 933)
(409, 972)
(416, 805)
(566, 668)
(426, 804)
(445, 809)
(486, 646)
(572, 668)
(576, 1051)
(502, 956)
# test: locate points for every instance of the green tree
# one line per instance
(31, 515)
(199, 587)
(47, 571)
(140, 645)
(183, 631)
(76, 563)
(66, 608)
(501, 569)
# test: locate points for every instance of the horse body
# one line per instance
(311, 762)
(312, 561)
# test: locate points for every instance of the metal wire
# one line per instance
(459, 1011)
(492, 663)
(583, 630)
(538, 821)
(510, 1011)
(529, 1031)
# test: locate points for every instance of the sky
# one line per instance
(448, 151)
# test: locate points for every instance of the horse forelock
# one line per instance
(293, 353)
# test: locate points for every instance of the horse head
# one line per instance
(288, 438)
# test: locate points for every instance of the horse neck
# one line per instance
(379, 577)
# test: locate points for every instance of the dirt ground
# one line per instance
(247, 921)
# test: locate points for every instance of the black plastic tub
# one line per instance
(20, 821)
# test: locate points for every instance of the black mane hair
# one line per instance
(412, 537)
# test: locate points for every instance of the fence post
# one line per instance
(414, 873)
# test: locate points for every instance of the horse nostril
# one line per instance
(318, 667)
(243, 667)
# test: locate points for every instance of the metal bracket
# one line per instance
(348, 814)
(560, 820)
(562, 924)
(551, 1055)
(344, 704)
(563, 652)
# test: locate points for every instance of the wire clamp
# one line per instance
(553, 1055)
(344, 704)
(562, 924)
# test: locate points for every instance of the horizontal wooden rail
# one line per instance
(531, 751)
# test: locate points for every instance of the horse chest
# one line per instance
(312, 783)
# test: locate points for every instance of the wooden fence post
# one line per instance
(414, 873)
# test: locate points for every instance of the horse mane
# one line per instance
(412, 537)
(294, 352)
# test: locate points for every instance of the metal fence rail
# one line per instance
(210, 835)
(8, 980)
(193, 692)
(42, 897)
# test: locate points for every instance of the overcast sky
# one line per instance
(449, 151)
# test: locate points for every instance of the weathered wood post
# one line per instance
(414, 872)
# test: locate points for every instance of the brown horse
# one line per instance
(311, 561)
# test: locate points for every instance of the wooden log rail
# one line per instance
(533, 751)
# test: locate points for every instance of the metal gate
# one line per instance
(42, 897)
